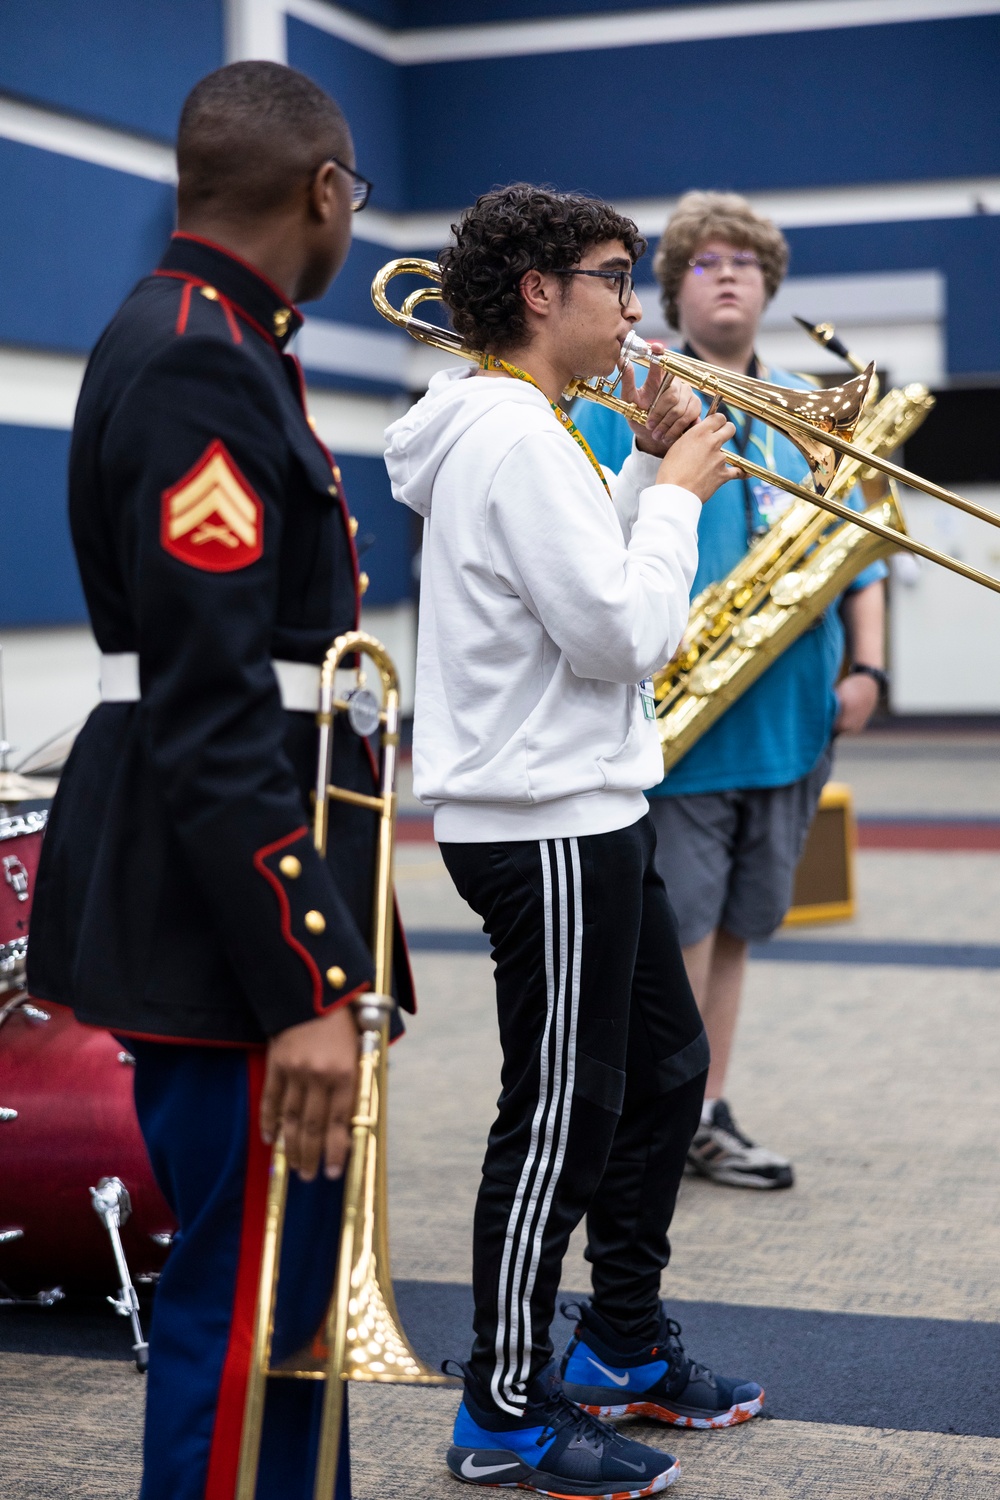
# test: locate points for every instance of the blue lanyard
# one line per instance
(754, 525)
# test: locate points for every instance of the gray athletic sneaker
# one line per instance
(722, 1153)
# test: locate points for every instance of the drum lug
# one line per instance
(6, 1114)
(113, 1207)
(32, 1013)
(16, 876)
(163, 1238)
(48, 1298)
(13, 972)
(126, 1059)
(8, 1236)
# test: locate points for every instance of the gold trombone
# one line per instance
(820, 423)
(361, 1338)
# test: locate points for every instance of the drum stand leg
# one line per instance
(113, 1206)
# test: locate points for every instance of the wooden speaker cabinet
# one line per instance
(824, 880)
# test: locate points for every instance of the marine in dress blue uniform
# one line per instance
(180, 900)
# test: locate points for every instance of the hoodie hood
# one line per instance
(418, 443)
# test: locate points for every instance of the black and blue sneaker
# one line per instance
(655, 1380)
(554, 1449)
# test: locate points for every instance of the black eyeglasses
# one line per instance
(741, 261)
(624, 279)
(360, 186)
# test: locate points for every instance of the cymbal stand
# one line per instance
(113, 1207)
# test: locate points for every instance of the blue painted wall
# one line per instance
(126, 62)
(76, 238)
(40, 582)
(907, 102)
(385, 529)
(901, 103)
(967, 251)
(368, 90)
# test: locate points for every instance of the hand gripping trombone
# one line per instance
(361, 1338)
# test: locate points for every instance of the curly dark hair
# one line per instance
(507, 232)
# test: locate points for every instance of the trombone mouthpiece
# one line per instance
(635, 349)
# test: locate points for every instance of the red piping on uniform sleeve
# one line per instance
(234, 327)
(224, 1454)
(228, 306)
(185, 308)
(286, 912)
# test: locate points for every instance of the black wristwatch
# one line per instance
(875, 673)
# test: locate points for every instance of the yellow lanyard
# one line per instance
(491, 362)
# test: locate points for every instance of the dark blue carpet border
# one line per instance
(848, 1369)
(781, 950)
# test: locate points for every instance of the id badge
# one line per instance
(648, 698)
(771, 502)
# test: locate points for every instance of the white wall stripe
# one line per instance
(41, 390)
(620, 29)
(867, 203)
(68, 136)
(793, 208)
(876, 203)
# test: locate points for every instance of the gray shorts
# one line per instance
(728, 858)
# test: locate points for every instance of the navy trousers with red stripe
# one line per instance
(604, 1067)
(198, 1108)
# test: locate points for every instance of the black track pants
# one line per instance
(604, 1065)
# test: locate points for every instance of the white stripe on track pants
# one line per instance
(603, 1075)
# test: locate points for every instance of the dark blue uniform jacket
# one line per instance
(212, 537)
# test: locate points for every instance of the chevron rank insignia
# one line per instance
(211, 518)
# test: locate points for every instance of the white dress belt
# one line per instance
(298, 682)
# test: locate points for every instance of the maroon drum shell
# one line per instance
(75, 1123)
(20, 846)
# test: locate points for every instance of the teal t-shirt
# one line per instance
(776, 732)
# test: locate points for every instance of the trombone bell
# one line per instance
(831, 409)
(820, 423)
(361, 1337)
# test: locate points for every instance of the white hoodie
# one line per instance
(542, 606)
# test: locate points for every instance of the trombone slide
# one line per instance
(361, 1338)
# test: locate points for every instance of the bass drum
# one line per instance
(67, 1120)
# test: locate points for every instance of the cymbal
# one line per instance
(15, 788)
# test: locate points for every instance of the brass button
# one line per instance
(312, 422)
(290, 867)
(315, 922)
(336, 473)
(363, 582)
(352, 526)
(210, 293)
(332, 489)
(282, 318)
(336, 978)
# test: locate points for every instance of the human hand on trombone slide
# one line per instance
(670, 403)
(309, 1089)
(691, 446)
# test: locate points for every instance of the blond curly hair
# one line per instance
(700, 217)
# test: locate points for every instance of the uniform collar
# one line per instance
(262, 303)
